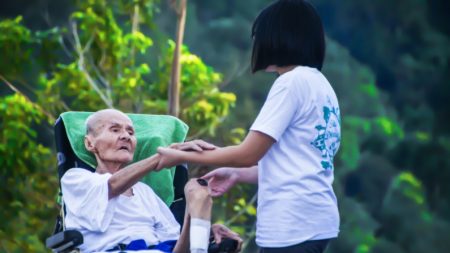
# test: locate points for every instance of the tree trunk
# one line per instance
(174, 86)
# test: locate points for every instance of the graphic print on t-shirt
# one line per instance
(329, 135)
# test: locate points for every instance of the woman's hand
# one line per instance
(220, 232)
(195, 145)
(221, 180)
(173, 155)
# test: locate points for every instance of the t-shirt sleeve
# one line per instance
(277, 112)
(86, 198)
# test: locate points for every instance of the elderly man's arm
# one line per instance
(182, 245)
(125, 178)
(197, 226)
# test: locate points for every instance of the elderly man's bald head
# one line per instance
(110, 137)
(95, 121)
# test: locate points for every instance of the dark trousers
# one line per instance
(315, 246)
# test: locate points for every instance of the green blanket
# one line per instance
(152, 131)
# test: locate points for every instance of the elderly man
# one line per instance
(114, 211)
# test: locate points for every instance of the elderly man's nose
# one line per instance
(125, 135)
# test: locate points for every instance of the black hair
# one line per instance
(288, 32)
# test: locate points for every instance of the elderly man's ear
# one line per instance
(88, 144)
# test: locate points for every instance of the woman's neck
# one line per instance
(280, 70)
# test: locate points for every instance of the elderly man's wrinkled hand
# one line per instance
(198, 200)
(168, 158)
(220, 232)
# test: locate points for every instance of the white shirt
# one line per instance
(296, 201)
(105, 223)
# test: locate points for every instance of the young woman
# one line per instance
(293, 140)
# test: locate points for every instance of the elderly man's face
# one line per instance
(113, 139)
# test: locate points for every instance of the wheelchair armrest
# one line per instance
(64, 241)
(227, 245)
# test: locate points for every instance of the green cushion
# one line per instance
(152, 131)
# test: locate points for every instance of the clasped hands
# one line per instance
(220, 180)
(173, 154)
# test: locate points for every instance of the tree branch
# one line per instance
(12, 87)
(242, 211)
(135, 28)
(81, 65)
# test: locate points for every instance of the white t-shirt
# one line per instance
(105, 223)
(296, 201)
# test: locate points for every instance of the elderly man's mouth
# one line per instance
(124, 148)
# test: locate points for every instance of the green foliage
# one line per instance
(15, 41)
(108, 71)
(105, 72)
(406, 198)
(26, 176)
(203, 105)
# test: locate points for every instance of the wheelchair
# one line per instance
(68, 241)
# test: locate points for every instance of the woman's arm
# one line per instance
(246, 154)
(247, 175)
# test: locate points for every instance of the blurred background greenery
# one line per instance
(387, 60)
